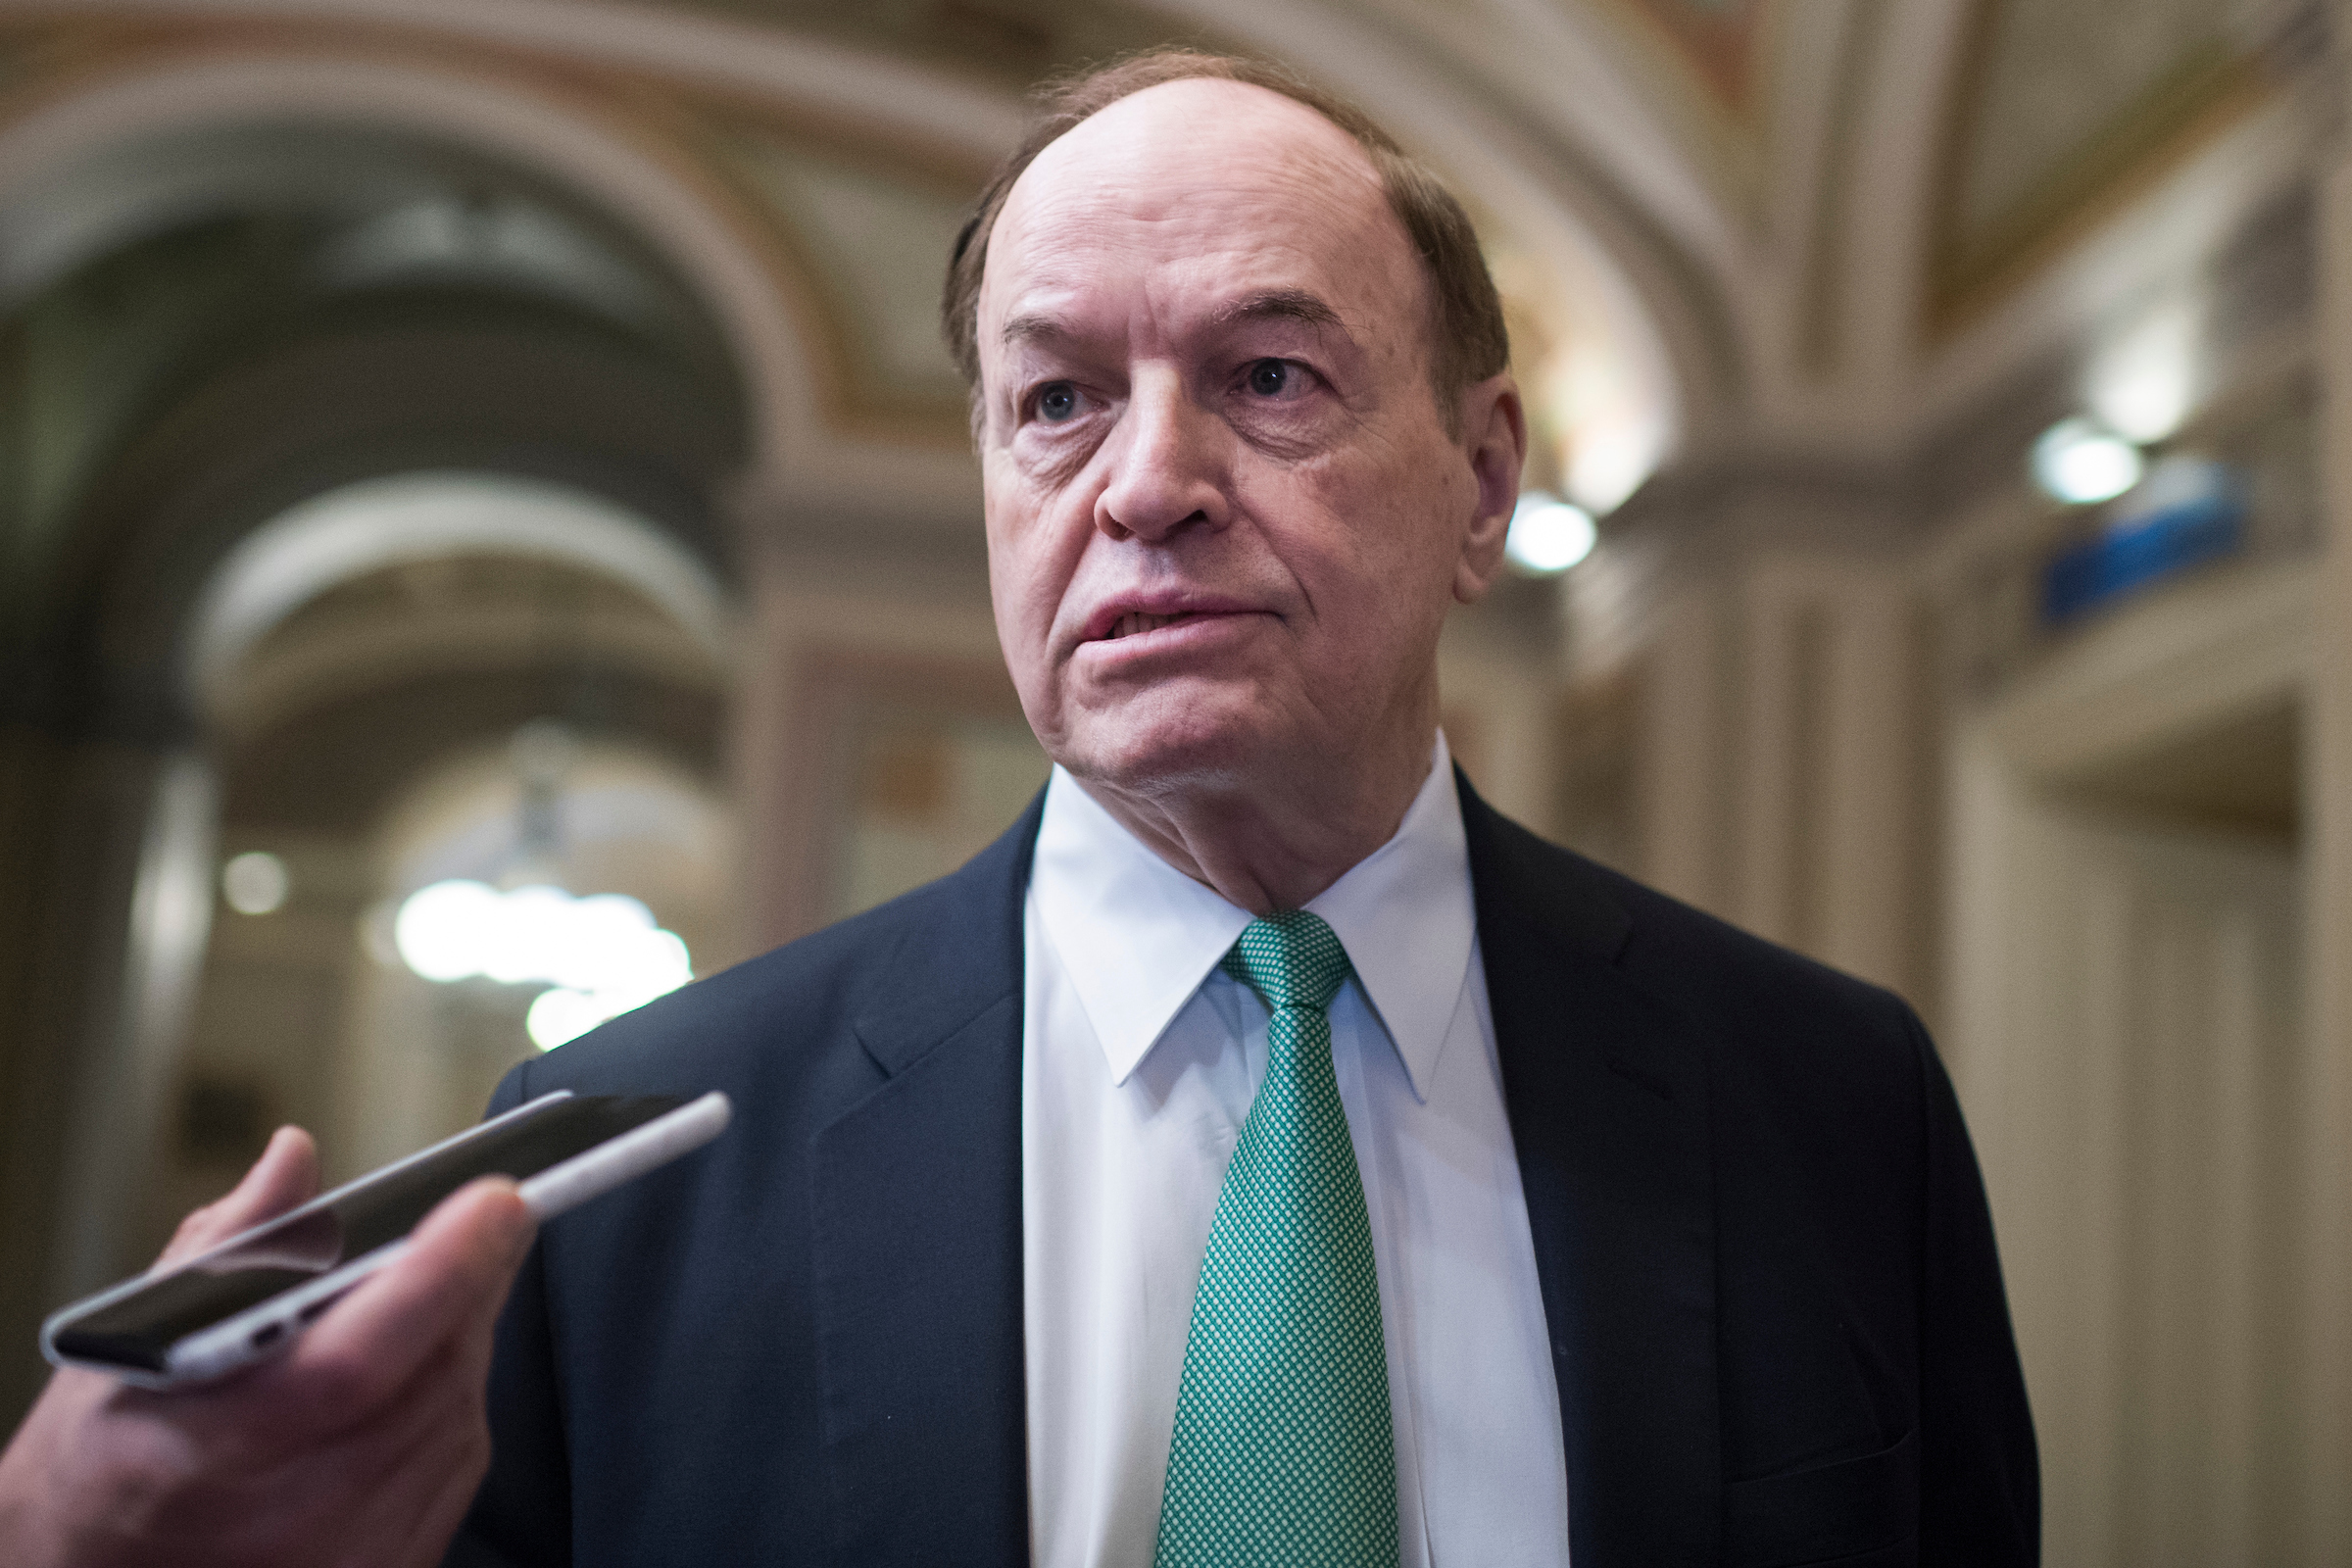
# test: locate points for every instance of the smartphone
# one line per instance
(200, 1319)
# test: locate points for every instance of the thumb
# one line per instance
(284, 1177)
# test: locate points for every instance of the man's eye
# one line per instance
(1056, 402)
(1270, 378)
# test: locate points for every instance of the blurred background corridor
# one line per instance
(488, 531)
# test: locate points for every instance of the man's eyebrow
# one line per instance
(1278, 304)
(1282, 305)
(1035, 329)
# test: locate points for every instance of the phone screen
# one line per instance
(140, 1329)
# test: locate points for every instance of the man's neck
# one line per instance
(1273, 848)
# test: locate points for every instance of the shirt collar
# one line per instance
(1138, 936)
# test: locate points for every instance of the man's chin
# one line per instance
(1167, 757)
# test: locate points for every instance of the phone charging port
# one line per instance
(268, 1334)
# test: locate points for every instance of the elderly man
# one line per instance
(1264, 1153)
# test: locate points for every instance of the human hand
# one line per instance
(360, 1447)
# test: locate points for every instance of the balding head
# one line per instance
(1283, 216)
(1466, 340)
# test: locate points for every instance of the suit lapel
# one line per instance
(1608, 1092)
(918, 1220)
(918, 1194)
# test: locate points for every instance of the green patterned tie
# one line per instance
(1284, 1455)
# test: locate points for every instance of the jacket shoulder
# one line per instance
(1730, 973)
(948, 946)
(1736, 985)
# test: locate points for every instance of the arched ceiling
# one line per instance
(1750, 215)
(2058, 109)
(1729, 124)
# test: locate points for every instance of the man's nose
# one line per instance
(1167, 463)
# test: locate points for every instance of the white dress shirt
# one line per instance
(1140, 1058)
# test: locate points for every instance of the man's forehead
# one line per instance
(1197, 170)
(1232, 130)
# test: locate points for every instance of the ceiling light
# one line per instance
(603, 954)
(560, 1014)
(2141, 384)
(2079, 460)
(1548, 535)
(255, 882)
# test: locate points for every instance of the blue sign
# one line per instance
(2186, 513)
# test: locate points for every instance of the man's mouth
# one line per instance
(1136, 621)
(1134, 616)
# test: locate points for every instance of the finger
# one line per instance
(434, 1523)
(284, 1177)
(442, 1441)
(44, 1489)
(453, 1275)
(373, 1484)
(279, 1496)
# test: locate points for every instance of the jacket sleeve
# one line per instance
(1979, 1477)
(521, 1518)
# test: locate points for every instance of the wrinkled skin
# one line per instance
(1226, 517)
(360, 1448)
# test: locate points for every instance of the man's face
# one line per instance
(1225, 517)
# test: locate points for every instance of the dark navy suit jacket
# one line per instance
(1775, 1314)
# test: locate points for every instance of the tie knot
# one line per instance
(1293, 961)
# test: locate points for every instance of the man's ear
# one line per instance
(1494, 440)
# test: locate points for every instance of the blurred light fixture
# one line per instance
(559, 1014)
(2141, 384)
(603, 954)
(2079, 460)
(255, 882)
(1548, 535)
(1606, 470)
